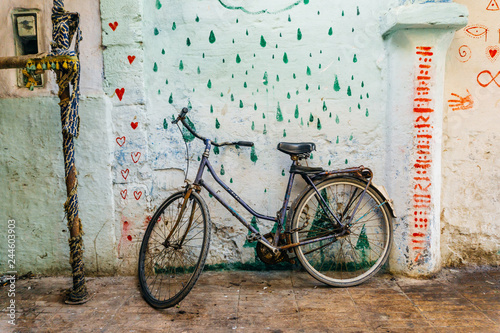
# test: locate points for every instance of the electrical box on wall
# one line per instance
(27, 40)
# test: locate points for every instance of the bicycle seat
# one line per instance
(296, 148)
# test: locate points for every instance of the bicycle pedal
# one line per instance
(253, 237)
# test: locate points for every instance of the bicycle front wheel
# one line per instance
(174, 249)
(360, 253)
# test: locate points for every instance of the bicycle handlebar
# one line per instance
(182, 118)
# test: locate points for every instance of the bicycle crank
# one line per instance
(266, 255)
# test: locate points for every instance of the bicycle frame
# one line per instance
(205, 163)
(280, 219)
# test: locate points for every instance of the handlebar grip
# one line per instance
(245, 143)
(183, 113)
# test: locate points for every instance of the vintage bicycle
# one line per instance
(339, 227)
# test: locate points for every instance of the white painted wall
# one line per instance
(247, 85)
(470, 227)
(129, 162)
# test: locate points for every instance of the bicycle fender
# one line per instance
(380, 189)
(377, 188)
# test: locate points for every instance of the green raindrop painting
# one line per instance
(211, 37)
(279, 115)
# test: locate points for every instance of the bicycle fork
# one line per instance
(179, 218)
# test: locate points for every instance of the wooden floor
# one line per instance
(277, 301)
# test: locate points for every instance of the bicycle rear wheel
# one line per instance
(174, 249)
(355, 257)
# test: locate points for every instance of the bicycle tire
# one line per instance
(173, 264)
(339, 262)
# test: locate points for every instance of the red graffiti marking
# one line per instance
(137, 195)
(482, 80)
(125, 237)
(418, 186)
(493, 6)
(422, 163)
(136, 156)
(125, 173)
(461, 103)
(465, 53)
(131, 59)
(113, 25)
(477, 31)
(134, 125)
(492, 52)
(123, 193)
(120, 141)
(119, 93)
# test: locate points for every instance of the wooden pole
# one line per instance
(19, 61)
(78, 294)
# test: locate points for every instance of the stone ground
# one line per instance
(457, 300)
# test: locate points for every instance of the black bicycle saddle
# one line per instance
(296, 148)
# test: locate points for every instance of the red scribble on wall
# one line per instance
(465, 53)
(125, 237)
(461, 103)
(137, 195)
(148, 219)
(131, 59)
(123, 193)
(477, 31)
(492, 52)
(119, 93)
(421, 163)
(134, 124)
(113, 25)
(135, 156)
(125, 173)
(120, 140)
(484, 76)
(493, 6)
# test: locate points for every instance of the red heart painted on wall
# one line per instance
(134, 125)
(136, 156)
(125, 173)
(492, 52)
(120, 141)
(137, 195)
(123, 193)
(131, 59)
(119, 93)
(113, 25)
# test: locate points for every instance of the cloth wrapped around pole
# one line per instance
(65, 27)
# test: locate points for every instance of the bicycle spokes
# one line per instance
(351, 254)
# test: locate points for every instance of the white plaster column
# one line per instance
(417, 39)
